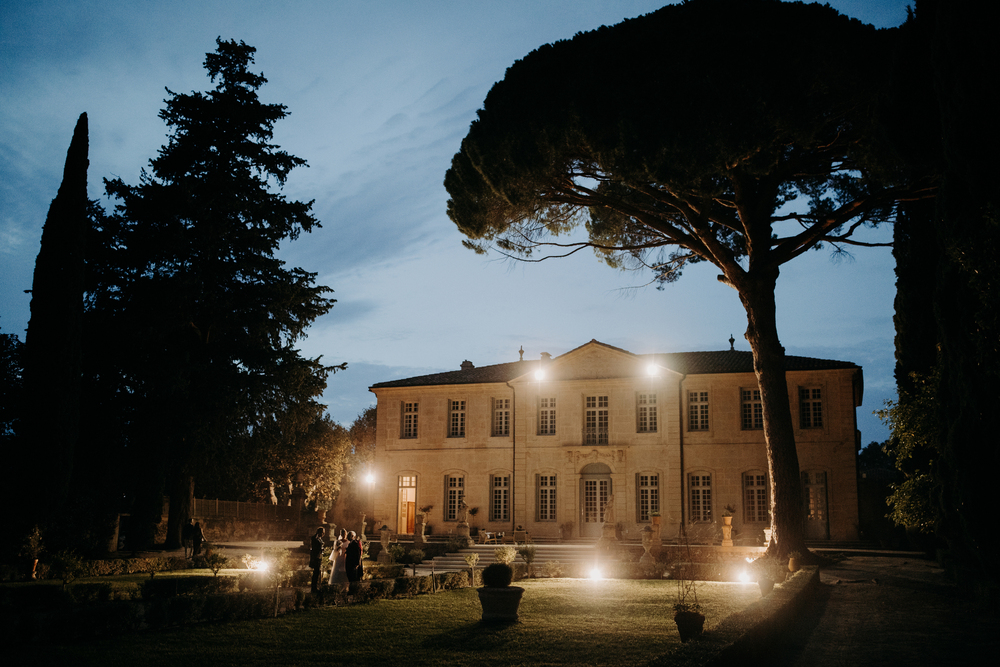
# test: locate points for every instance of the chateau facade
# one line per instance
(548, 443)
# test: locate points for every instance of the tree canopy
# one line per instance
(739, 132)
(205, 316)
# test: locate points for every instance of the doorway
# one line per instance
(595, 490)
(407, 504)
(814, 500)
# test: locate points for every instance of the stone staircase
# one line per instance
(568, 554)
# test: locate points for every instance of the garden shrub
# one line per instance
(498, 575)
(504, 555)
(553, 569)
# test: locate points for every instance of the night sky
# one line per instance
(380, 96)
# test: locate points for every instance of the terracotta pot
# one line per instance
(793, 564)
(728, 520)
(656, 520)
(689, 624)
(500, 604)
(766, 586)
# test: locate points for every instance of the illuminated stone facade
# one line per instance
(546, 443)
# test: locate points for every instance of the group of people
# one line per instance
(345, 555)
(192, 537)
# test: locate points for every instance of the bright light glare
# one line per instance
(596, 573)
(370, 478)
(744, 577)
(651, 369)
(539, 375)
(263, 566)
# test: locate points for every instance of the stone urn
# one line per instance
(647, 544)
(499, 599)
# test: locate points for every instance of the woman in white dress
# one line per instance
(338, 573)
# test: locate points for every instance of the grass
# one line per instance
(563, 622)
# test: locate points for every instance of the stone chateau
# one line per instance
(547, 443)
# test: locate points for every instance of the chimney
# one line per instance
(546, 356)
(467, 365)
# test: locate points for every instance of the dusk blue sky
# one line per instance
(380, 96)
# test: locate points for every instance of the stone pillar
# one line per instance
(727, 531)
(384, 535)
(647, 544)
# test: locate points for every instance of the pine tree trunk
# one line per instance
(181, 509)
(788, 531)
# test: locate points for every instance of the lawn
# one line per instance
(563, 622)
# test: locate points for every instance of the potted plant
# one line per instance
(499, 599)
(763, 571)
(794, 559)
(655, 518)
(727, 514)
(687, 612)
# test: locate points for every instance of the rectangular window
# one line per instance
(454, 488)
(499, 498)
(596, 425)
(701, 497)
(751, 412)
(646, 413)
(501, 417)
(756, 509)
(697, 410)
(649, 495)
(546, 497)
(547, 416)
(810, 407)
(410, 419)
(456, 422)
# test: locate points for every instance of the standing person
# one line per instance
(197, 537)
(352, 559)
(338, 573)
(316, 556)
(187, 534)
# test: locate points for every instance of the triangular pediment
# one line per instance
(593, 360)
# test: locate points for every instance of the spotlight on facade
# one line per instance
(539, 375)
(651, 370)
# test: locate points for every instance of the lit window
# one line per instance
(697, 410)
(751, 411)
(646, 413)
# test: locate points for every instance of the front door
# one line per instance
(407, 504)
(814, 499)
(595, 489)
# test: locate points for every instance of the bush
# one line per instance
(415, 556)
(455, 543)
(498, 575)
(504, 555)
(553, 569)
(396, 553)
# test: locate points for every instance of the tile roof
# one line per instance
(687, 363)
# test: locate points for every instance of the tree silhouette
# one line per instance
(208, 314)
(729, 131)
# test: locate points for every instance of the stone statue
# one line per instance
(609, 510)
(463, 511)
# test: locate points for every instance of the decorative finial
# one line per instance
(521, 352)
(731, 341)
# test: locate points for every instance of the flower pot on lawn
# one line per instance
(499, 599)
(766, 585)
(689, 624)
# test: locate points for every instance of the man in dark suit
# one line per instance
(352, 559)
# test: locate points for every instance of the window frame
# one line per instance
(648, 502)
(646, 412)
(811, 407)
(546, 497)
(698, 410)
(756, 497)
(703, 498)
(751, 409)
(453, 495)
(456, 418)
(599, 434)
(409, 426)
(547, 415)
(500, 486)
(500, 417)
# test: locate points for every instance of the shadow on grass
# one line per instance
(475, 637)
